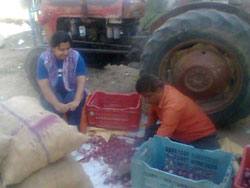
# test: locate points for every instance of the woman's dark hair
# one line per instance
(148, 83)
(59, 37)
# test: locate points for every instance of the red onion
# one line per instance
(115, 153)
(179, 168)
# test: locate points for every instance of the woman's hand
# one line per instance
(73, 105)
(60, 107)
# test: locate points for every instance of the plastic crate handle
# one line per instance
(83, 122)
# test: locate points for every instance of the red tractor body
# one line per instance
(112, 12)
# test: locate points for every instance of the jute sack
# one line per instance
(65, 173)
(4, 145)
(38, 139)
(23, 107)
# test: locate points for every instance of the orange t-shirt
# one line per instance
(181, 118)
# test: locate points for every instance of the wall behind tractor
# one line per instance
(13, 10)
(154, 10)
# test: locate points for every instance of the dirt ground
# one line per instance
(115, 79)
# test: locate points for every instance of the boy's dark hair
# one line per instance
(59, 37)
(148, 83)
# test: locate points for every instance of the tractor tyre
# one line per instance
(204, 53)
(30, 66)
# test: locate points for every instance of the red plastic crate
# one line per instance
(114, 111)
(245, 163)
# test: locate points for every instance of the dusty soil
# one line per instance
(115, 79)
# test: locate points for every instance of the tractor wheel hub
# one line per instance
(201, 72)
(198, 79)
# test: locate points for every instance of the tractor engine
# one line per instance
(101, 21)
(98, 30)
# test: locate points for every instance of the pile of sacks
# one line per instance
(35, 147)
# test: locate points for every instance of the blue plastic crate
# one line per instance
(215, 168)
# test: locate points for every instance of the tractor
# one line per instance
(200, 47)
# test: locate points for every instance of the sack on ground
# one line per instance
(23, 107)
(65, 173)
(4, 145)
(39, 138)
